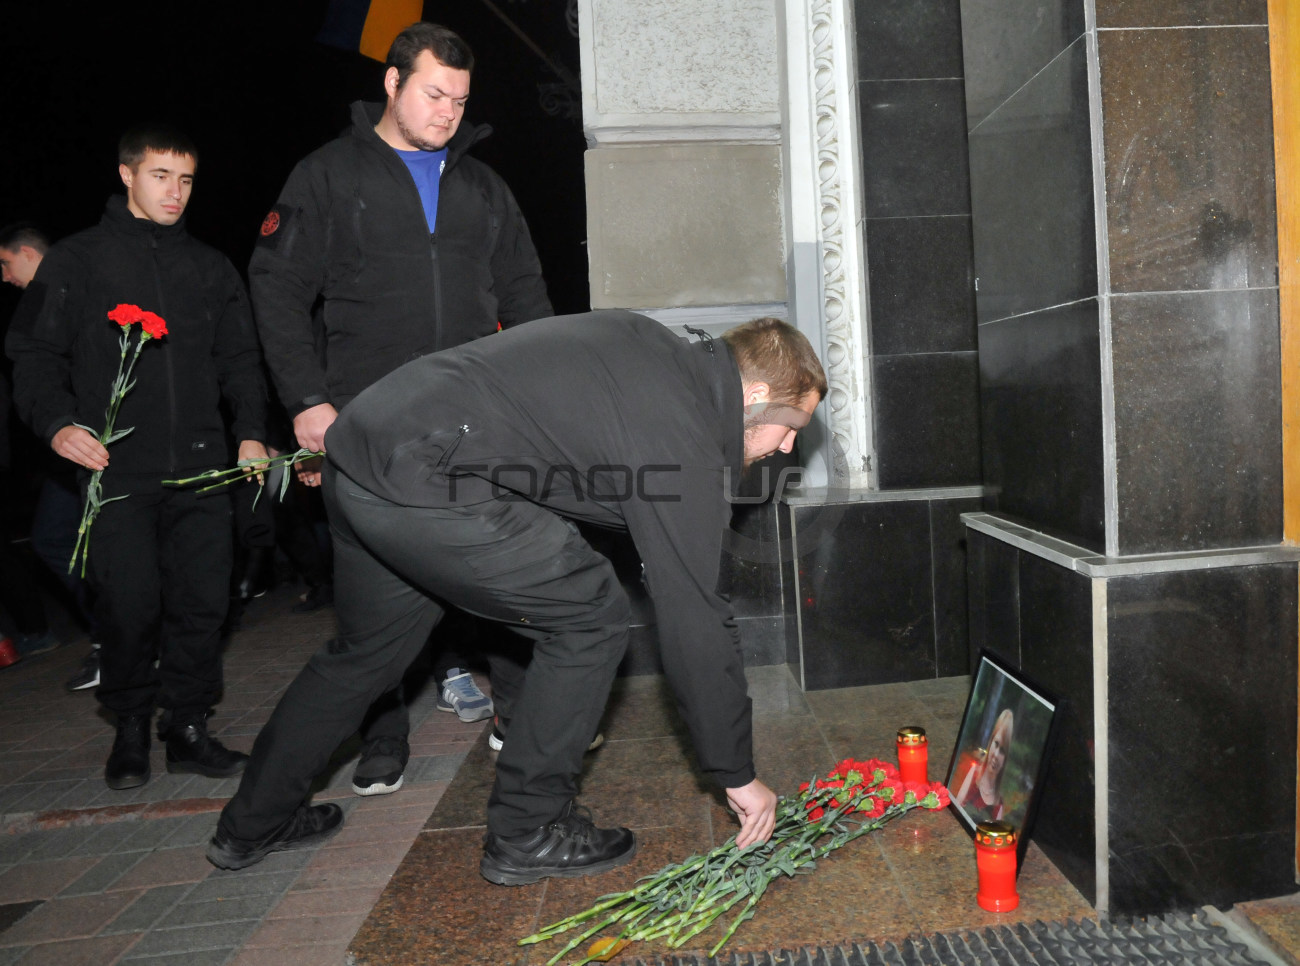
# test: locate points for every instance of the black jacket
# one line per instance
(650, 438)
(350, 230)
(66, 350)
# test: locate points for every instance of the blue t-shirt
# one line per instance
(426, 169)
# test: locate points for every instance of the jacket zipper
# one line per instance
(167, 361)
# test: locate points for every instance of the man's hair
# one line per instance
(775, 352)
(446, 46)
(153, 137)
(20, 233)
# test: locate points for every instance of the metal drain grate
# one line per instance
(1170, 940)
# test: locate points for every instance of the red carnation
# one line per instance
(126, 314)
(941, 793)
(154, 326)
(872, 807)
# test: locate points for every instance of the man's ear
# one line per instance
(757, 392)
(126, 174)
(391, 77)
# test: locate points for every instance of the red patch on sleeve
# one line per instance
(270, 223)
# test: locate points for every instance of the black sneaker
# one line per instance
(128, 762)
(309, 825)
(191, 750)
(379, 772)
(567, 847)
(86, 676)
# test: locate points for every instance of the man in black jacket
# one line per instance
(410, 246)
(159, 557)
(455, 479)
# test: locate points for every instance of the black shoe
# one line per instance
(86, 676)
(258, 574)
(128, 762)
(191, 750)
(309, 825)
(569, 846)
(321, 595)
(379, 772)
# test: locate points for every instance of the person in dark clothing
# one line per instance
(408, 245)
(457, 478)
(159, 557)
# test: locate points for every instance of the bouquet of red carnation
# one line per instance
(680, 901)
(151, 327)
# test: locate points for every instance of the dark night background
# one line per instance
(251, 85)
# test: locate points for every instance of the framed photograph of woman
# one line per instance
(1002, 749)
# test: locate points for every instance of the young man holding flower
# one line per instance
(158, 557)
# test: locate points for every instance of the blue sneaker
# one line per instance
(461, 695)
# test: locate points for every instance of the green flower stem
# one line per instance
(122, 384)
(233, 474)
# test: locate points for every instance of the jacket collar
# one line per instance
(722, 376)
(118, 218)
(366, 114)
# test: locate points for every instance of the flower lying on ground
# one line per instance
(152, 326)
(680, 901)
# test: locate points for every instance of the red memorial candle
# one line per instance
(995, 857)
(913, 755)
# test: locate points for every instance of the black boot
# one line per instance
(128, 762)
(191, 750)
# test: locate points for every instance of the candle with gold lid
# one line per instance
(995, 857)
(913, 755)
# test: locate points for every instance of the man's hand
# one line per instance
(74, 443)
(755, 805)
(252, 449)
(309, 426)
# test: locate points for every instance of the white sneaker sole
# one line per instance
(496, 744)
(378, 788)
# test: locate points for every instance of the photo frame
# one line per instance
(1002, 751)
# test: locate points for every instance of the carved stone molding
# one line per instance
(843, 282)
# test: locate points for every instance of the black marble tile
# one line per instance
(914, 148)
(1041, 426)
(921, 276)
(762, 640)
(948, 554)
(750, 573)
(927, 419)
(1056, 647)
(1190, 194)
(1032, 195)
(993, 583)
(866, 608)
(1180, 13)
(908, 39)
(1202, 703)
(1197, 420)
(1007, 42)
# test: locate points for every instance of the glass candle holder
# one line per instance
(995, 857)
(913, 755)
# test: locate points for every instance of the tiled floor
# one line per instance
(92, 876)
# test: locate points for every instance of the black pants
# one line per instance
(160, 563)
(512, 562)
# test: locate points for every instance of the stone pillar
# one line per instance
(1125, 256)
